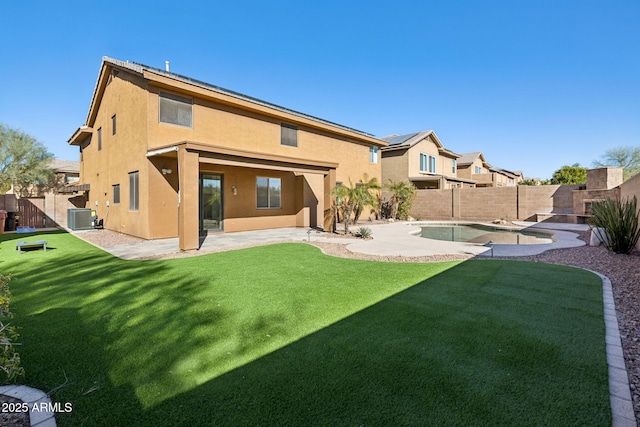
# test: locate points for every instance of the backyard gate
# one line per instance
(31, 213)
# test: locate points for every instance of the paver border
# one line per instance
(32, 396)
(622, 412)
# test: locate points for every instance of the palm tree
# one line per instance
(352, 199)
(401, 192)
(364, 196)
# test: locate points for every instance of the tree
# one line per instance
(402, 195)
(534, 181)
(23, 160)
(626, 157)
(364, 196)
(574, 174)
(352, 199)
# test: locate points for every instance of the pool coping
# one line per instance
(399, 239)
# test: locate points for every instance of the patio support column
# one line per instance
(188, 210)
(329, 184)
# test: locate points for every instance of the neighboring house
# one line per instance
(65, 173)
(423, 160)
(475, 167)
(163, 155)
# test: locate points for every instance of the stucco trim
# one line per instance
(246, 157)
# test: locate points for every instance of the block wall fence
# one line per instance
(486, 204)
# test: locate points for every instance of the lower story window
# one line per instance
(269, 192)
(134, 197)
(116, 194)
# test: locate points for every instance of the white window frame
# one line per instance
(432, 164)
(424, 162)
(454, 166)
(373, 154)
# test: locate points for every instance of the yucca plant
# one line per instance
(616, 223)
(364, 232)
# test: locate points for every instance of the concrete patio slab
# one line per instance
(394, 239)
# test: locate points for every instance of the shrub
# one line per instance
(9, 357)
(364, 232)
(402, 195)
(617, 224)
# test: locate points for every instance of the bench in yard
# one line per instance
(38, 244)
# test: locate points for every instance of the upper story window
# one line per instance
(373, 154)
(478, 169)
(113, 124)
(99, 139)
(176, 110)
(288, 135)
(427, 163)
(454, 166)
(423, 162)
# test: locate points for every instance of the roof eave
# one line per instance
(80, 135)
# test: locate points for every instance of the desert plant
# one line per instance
(616, 223)
(364, 232)
(402, 195)
(365, 195)
(9, 357)
(350, 200)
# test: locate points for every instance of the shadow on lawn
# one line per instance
(101, 325)
(416, 360)
(407, 360)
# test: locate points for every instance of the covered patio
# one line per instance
(218, 189)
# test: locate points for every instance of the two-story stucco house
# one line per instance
(163, 155)
(423, 160)
(474, 166)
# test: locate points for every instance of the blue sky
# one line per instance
(533, 85)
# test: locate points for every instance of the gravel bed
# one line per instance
(622, 270)
(107, 238)
(13, 419)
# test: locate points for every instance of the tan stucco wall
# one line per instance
(222, 125)
(135, 103)
(395, 164)
(121, 154)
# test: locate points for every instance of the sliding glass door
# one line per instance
(210, 202)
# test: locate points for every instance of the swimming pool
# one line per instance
(479, 233)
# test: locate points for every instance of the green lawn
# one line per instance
(284, 335)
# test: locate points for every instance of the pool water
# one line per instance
(477, 233)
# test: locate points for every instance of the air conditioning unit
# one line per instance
(79, 219)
